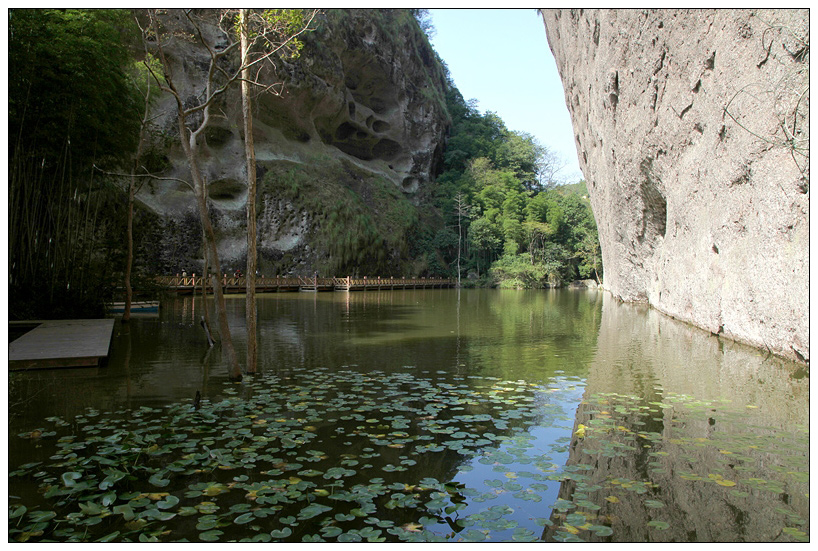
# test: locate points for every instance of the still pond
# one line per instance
(417, 415)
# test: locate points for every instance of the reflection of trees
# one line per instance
(722, 461)
(532, 334)
(168, 357)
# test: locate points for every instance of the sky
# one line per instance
(501, 58)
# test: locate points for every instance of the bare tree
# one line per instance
(250, 153)
(549, 165)
(192, 121)
(264, 36)
(194, 116)
(461, 209)
(133, 188)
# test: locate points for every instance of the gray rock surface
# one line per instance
(692, 132)
(366, 95)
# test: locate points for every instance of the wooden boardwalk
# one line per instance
(62, 343)
(233, 284)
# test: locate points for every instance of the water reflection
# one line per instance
(724, 459)
(685, 437)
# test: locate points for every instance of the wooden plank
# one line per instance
(62, 343)
(136, 306)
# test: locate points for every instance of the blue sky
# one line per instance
(501, 58)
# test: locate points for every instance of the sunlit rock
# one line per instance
(692, 131)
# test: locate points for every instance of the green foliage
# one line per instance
(527, 236)
(74, 102)
(517, 271)
(274, 30)
(70, 92)
(361, 220)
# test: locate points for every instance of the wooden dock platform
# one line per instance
(62, 343)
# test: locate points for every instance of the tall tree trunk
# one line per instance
(205, 307)
(200, 189)
(210, 243)
(132, 189)
(126, 316)
(190, 145)
(250, 153)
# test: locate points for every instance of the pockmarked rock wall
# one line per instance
(363, 103)
(692, 131)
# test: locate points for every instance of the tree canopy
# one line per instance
(69, 87)
(74, 104)
(523, 230)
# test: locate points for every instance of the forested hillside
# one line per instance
(508, 222)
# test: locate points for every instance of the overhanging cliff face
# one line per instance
(692, 132)
(360, 115)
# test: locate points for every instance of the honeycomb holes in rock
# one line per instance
(227, 191)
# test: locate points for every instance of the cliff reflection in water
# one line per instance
(685, 437)
(568, 409)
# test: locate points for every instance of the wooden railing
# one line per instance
(238, 284)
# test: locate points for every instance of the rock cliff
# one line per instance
(692, 131)
(361, 116)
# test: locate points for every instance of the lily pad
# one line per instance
(210, 535)
(659, 524)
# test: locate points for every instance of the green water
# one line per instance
(418, 415)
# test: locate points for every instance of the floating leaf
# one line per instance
(659, 524)
(214, 489)
(110, 537)
(156, 514)
(796, 534)
(91, 508)
(210, 535)
(41, 516)
(312, 510)
(331, 531)
(601, 530)
(207, 507)
(475, 535)
(717, 478)
(283, 533)
(168, 502)
(338, 472)
(157, 480)
(523, 534)
(18, 511)
(69, 478)
(244, 519)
